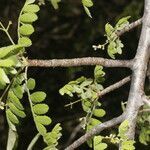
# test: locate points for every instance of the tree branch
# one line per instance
(96, 130)
(130, 27)
(114, 86)
(146, 100)
(139, 73)
(80, 62)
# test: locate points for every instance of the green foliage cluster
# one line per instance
(16, 84)
(87, 90)
(8, 63)
(14, 107)
(39, 109)
(143, 124)
(99, 142)
(113, 42)
(27, 16)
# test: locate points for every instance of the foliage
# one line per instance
(12, 74)
(15, 84)
(143, 123)
(87, 90)
(87, 4)
(113, 41)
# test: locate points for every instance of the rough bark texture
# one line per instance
(139, 72)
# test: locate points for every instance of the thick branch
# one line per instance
(79, 62)
(96, 130)
(130, 27)
(114, 86)
(139, 73)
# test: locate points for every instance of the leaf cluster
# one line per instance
(113, 42)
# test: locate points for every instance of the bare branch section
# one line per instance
(96, 130)
(86, 61)
(114, 86)
(130, 27)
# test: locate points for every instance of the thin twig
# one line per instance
(96, 130)
(114, 86)
(130, 27)
(146, 100)
(79, 62)
(74, 133)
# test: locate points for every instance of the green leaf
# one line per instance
(12, 117)
(19, 79)
(86, 104)
(18, 91)
(87, 3)
(122, 23)
(112, 49)
(55, 3)
(128, 145)
(40, 109)
(144, 136)
(26, 29)
(99, 112)
(98, 145)
(38, 97)
(67, 89)
(45, 120)
(11, 70)
(29, 2)
(123, 128)
(86, 83)
(9, 62)
(87, 11)
(3, 77)
(33, 8)
(25, 41)
(108, 29)
(16, 111)
(28, 17)
(4, 51)
(31, 84)
(94, 122)
(42, 130)
(2, 84)
(81, 79)
(99, 74)
(119, 46)
(13, 98)
(51, 138)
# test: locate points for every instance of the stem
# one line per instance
(34, 140)
(28, 93)
(96, 130)
(7, 33)
(9, 86)
(114, 86)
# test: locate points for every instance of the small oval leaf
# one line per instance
(40, 109)
(38, 97)
(12, 117)
(26, 29)
(28, 17)
(45, 120)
